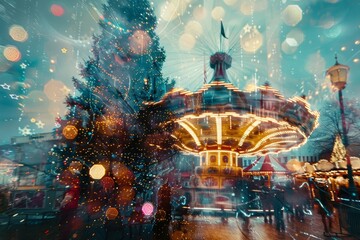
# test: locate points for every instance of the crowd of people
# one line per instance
(280, 203)
(292, 200)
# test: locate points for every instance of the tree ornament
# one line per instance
(70, 132)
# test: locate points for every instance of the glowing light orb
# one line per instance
(293, 165)
(55, 90)
(218, 13)
(111, 213)
(57, 10)
(309, 168)
(251, 41)
(147, 208)
(139, 42)
(107, 182)
(324, 165)
(12, 54)
(327, 21)
(289, 46)
(70, 132)
(18, 33)
(296, 34)
(125, 196)
(194, 28)
(291, 15)
(97, 171)
(187, 42)
(199, 13)
(122, 174)
(333, 32)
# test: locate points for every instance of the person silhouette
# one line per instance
(68, 210)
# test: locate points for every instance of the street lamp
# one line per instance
(338, 77)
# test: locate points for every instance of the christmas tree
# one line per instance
(108, 132)
(339, 150)
(129, 52)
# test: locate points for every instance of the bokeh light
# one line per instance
(218, 13)
(289, 46)
(111, 213)
(187, 42)
(57, 10)
(18, 33)
(251, 41)
(327, 21)
(56, 90)
(333, 32)
(122, 174)
(107, 182)
(292, 15)
(199, 13)
(125, 196)
(139, 42)
(194, 28)
(296, 34)
(147, 208)
(70, 132)
(97, 171)
(12, 54)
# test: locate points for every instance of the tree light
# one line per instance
(97, 171)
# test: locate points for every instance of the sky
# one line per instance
(288, 43)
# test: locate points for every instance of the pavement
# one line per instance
(200, 227)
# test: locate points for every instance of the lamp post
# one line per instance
(338, 77)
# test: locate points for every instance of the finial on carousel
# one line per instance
(220, 61)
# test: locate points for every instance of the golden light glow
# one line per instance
(191, 132)
(18, 33)
(111, 213)
(218, 130)
(97, 171)
(237, 122)
(12, 54)
(70, 132)
(247, 132)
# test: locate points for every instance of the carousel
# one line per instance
(267, 166)
(221, 123)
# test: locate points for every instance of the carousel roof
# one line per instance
(219, 116)
(266, 163)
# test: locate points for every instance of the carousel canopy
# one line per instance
(219, 116)
(266, 163)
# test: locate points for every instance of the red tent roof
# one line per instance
(266, 163)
